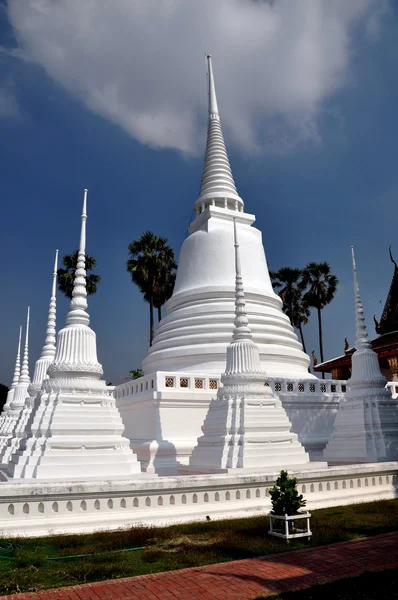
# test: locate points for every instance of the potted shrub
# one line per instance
(286, 504)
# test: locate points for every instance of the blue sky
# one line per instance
(315, 163)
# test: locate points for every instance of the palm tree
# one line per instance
(300, 315)
(151, 265)
(289, 285)
(164, 291)
(322, 286)
(66, 276)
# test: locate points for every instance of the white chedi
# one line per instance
(195, 333)
(10, 394)
(366, 424)
(19, 396)
(246, 427)
(40, 373)
(75, 430)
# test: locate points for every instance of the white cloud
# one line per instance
(9, 108)
(140, 63)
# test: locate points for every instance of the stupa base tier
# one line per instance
(50, 508)
(365, 430)
(163, 414)
(73, 466)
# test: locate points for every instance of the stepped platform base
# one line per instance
(41, 508)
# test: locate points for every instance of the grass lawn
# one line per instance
(381, 585)
(33, 564)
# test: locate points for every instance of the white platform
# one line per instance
(163, 420)
(31, 508)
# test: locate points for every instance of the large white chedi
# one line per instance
(197, 329)
(246, 428)
(75, 430)
(366, 424)
(163, 412)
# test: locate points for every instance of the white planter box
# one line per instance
(286, 519)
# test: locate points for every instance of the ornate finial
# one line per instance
(346, 345)
(77, 314)
(362, 340)
(314, 358)
(24, 377)
(49, 344)
(17, 370)
(242, 329)
(213, 106)
(217, 180)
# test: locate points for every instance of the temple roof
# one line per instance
(389, 318)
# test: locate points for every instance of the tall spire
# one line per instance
(77, 314)
(76, 344)
(24, 377)
(243, 356)
(48, 350)
(242, 330)
(15, 380)
(49, 344)
(218, 186)
(362, 341)
(17, 370)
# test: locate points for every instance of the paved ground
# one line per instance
(242, 579)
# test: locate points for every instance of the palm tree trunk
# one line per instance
(151, 321)
(320, 338)
(302, 338)
(159, 313)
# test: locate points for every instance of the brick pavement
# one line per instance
(242, 579)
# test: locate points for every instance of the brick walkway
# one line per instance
(242, 579)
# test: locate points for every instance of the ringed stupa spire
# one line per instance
(77, 345)
(218, 185)
(77, 314)
(48, 350)
(362, 339)
(21, 389)
(17, 372)
(243, 357)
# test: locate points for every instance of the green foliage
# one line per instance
(3, 395)
(66, 275)
(136, 373)
(288, 282)
(321, 287)
(152, 268)
(284, 496)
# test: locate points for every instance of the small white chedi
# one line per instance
(40, 373)
(366, 424)
(17, 399)
(75, 430)
(15, 379)
(246, 428)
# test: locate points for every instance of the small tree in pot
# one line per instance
(286, 502)
(285, 498)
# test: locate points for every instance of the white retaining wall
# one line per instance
(37, 509)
